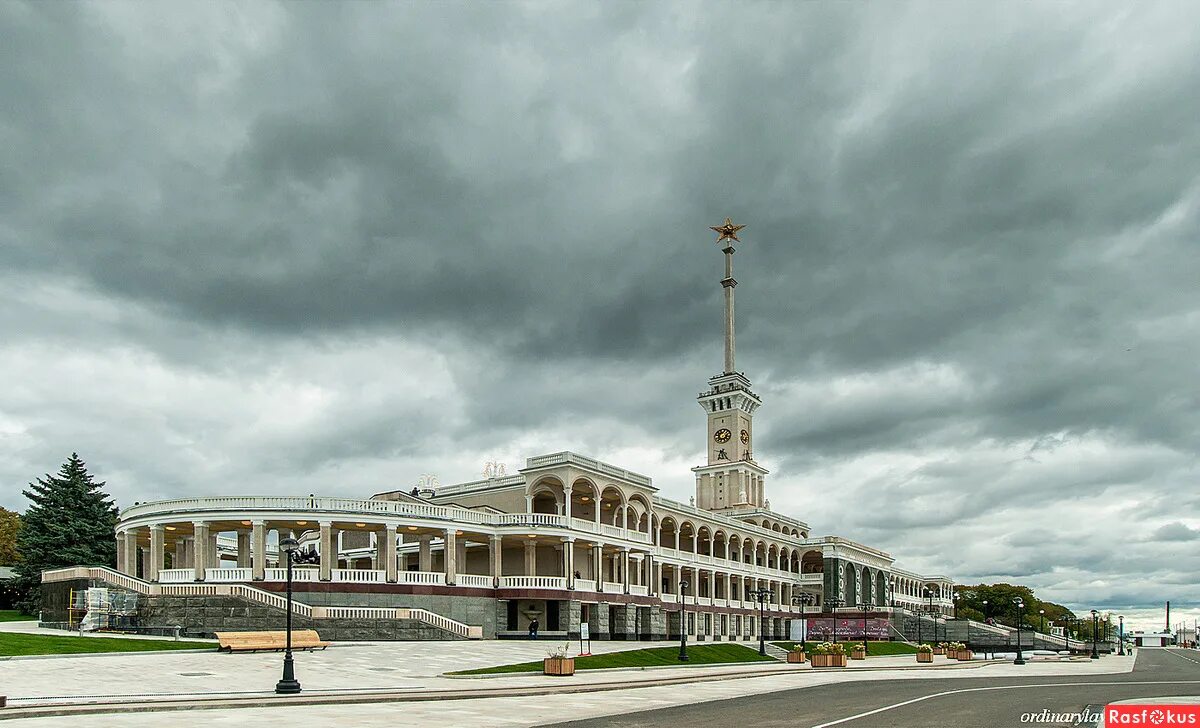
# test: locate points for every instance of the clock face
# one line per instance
(745, 437)
(722, 435)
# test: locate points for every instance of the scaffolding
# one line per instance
(98, 608)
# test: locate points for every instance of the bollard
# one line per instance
(177, 628)
(3, 701)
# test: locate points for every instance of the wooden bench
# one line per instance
(302, 639)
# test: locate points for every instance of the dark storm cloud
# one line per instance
(340, 243)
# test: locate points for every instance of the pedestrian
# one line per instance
(533, 628)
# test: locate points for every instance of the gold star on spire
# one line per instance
(727, 231)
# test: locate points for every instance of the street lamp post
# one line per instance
(1042, 615)
(761, 596)
(1121, 635)
(956, 606)
(290, 547)
(1020, 612)
(683, 655)
(833, 605)
(1095, 628)
(985, 611)
(929, 609)
(804, 599)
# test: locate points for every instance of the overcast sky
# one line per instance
(268, 248)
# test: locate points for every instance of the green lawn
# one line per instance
(874, 649)
(12, 615)
(38, 644)
(652, 657)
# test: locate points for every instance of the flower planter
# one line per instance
(795, 656)
(858, 654)
(964, 655)
(558, 666)
(939, 651)
(925, 657)
(828, 660)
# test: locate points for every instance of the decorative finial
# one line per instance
(728, 231)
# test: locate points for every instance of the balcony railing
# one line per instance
(176, 576)
(421, 577)
(226, 575)
(305, 574)
(533, 582)
(614, 587)
(639, 589)
(585, 584)
(474, 580)
(359, 575)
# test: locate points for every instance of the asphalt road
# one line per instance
(961, 703)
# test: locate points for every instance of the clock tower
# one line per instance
(731, 479)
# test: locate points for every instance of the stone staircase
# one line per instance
(777, 652)
(247, 604)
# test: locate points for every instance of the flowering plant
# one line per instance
(924, 648)
(830, 648)
(559, 653)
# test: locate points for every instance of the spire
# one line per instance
(728, 232)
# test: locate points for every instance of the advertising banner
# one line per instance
(848, 628)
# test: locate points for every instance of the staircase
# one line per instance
(777, 652)
(259, 596)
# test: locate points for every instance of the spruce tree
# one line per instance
(71, 522)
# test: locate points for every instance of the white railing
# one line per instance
(529, 519)
(720, 602)
(474, 580)
(445, 623)
(421, 577)
(614, 587)
(614, 531)
(297, 574)
(639, 589)
(668, 597)
(227, 575)
(176, 576)
(585, 584)
(358, 575)
(582, 524)
(533, 582)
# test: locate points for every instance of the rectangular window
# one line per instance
(752, 626)
(691, 623)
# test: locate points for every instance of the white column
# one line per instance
(424, 553)
(495, 558)
(328, 558)
(569, 562)
(243, 548)
(157, 549)
(380, 558)
(179, 559)
(258, 557)
(121, 552)
(200, 544)
(451, 551)
(530, 557)
(597, 566)
(625, 569)
(389, 554)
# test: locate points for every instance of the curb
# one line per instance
(396, 696)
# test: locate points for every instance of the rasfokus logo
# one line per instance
(1152, 715)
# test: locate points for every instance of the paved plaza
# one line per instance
(409, 676)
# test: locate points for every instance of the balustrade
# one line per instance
(224, 575)
(533, 582)
(176, 576)
(358, 575)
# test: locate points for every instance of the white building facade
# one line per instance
(566, 540)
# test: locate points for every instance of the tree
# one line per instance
(70, 523)
(10, 523)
